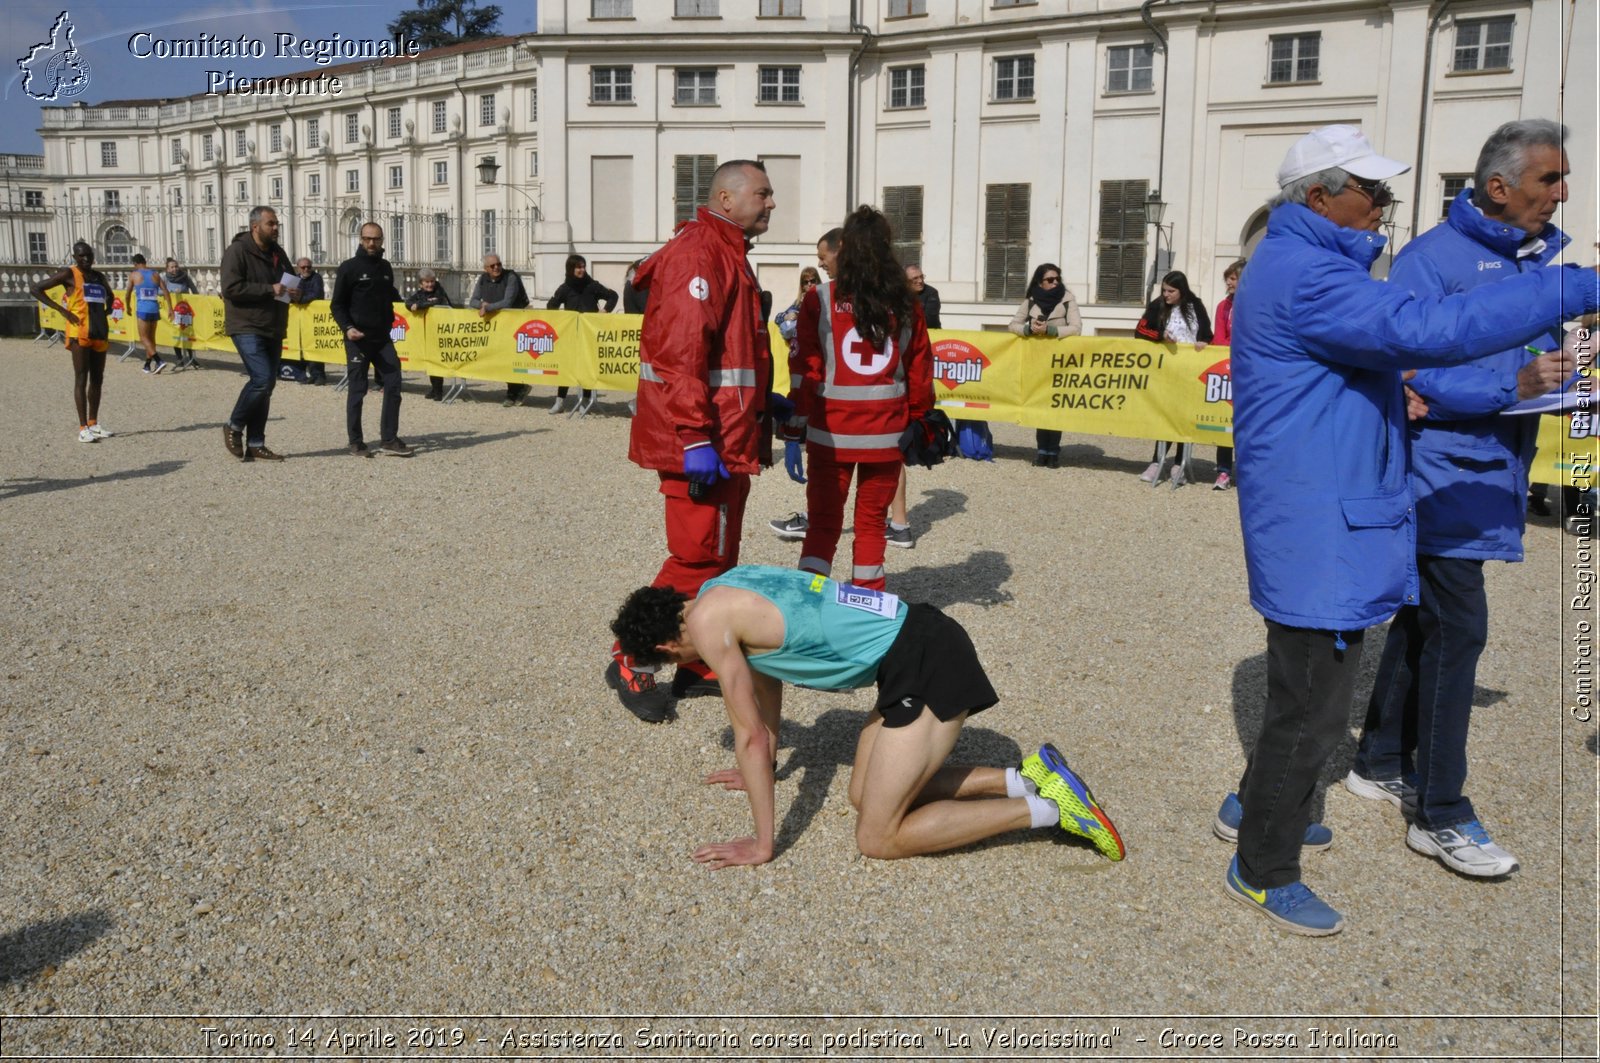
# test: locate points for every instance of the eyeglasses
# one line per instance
(1376, 191)
(493, 265)
(811, 282)
(1049, 280)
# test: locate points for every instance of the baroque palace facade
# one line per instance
(1112, 137)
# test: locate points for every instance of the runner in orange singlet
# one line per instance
(88, 303)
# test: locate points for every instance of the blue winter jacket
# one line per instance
(1319, 417)
(1469, 465)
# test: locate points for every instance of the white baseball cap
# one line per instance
(1336, 145)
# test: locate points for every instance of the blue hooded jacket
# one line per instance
(1319, 418)
(1469, 465)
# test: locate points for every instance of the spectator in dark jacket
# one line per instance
(363, 304)
(311, 288)
(496, 289)
(633, 299)
(925, 292)
(429, 293)
(1175, 316)
(584, 294)
(256, 320)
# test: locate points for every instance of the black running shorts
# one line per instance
(931, 662)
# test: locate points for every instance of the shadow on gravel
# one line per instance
(204, 426)
(1593, 742)
(817, 753)
(979, 580)
(25, 953)
(18, 488)
(463, 440)
(934, 506)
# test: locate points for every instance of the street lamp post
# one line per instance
(1155, 209)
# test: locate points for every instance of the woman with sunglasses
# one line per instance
(1048, 310)
(1175, 316)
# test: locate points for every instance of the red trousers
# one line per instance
(827, 486)
(702, 535)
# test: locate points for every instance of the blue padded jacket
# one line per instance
(1319, 416)
(1469, 465)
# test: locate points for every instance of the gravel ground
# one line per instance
(330, 738)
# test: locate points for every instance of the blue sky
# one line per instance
(103, 30)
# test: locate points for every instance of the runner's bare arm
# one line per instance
(59, 280)
(769, 698)
(753, 744)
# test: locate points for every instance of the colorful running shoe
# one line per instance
(1080, 814)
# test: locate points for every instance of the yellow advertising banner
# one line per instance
(123, 329)
(1097, 385)
(612, 343)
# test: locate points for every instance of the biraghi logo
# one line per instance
(182, 314)
(535, 338)
(398, 328)
(956, 362)
(1219, 382)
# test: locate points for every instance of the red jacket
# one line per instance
(704, 362)
(856, 398)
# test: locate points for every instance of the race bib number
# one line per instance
(93, 293)
(881, 603)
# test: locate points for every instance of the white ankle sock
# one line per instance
(1045, 812)
(897, 526)
(1017, 785)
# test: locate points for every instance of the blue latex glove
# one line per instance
(702, 466)
(794, 461)
(779, 406)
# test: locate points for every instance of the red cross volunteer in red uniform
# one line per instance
(867, 372)
(705, 367)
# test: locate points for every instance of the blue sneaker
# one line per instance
(1293, 907)
(1226, 826)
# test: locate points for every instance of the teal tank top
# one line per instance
(834, 634)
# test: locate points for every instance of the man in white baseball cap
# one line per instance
(1336, 145)
(1325, 506)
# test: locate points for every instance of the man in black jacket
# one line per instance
(257, 321)
(363, 305)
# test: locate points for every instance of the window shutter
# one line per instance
(902, 205)
(1005, 257)
(1120, 253)
(691, 184)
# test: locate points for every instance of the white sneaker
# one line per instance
(555, 407)
(1150, 474)
(1178, 477)
(85, 435)
(1464, 847)
(1397, 792)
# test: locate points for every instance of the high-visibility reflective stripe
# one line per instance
(817, 565)
(862, 393)
(717, 378)
(841, 441)
(722, 530)
(867, 572)
(731, 378)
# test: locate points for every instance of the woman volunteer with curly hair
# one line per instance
(866, 373)
(88, 303)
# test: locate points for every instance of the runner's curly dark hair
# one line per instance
(870, 278)
(650, 616)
